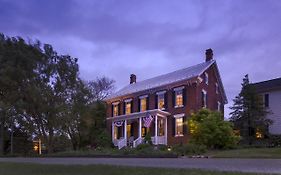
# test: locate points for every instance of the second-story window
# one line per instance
(161, 100)
(204, 98)
(143, 103)
(178, 97)
(206, 78)
(128, 106)
(115, 109)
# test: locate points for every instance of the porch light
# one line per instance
(169, 149)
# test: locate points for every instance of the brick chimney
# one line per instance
(209, 54)
(133, 79)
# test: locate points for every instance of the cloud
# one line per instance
(149, 38)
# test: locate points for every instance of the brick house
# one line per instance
(161, 105)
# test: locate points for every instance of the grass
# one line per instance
(37, 169)
(274, 153)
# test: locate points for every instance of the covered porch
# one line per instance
(131, 129)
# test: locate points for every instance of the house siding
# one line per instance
(274, 107)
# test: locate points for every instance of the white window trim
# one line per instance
(116, 103)
(176, 90)
(143, 96)
(179, 88)
(206, 78)
(217, 88)
(179, 115)
(176, 117)
(160, 93)
(128, 100)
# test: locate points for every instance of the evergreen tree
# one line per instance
(249, 113)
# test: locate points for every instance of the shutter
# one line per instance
(166, 100)
(173, 100)
(156, 101)
(132, 108)
(132, 129)
(124, 108)
(147, 103)
(184, 96)
(174, 125)
(184, 125)
(119, 108)
(112, 110)
(138, 104)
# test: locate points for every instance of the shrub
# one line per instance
(208, 128)
(275, 140)
(189, 149)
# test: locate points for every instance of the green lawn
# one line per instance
(247, 153)
(36, 169)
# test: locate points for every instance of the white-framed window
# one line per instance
(204, 98)
(206, 78)
(217, 88)
(161, 100)
(143, 103)
(115, 109)
(179, 122)
(179, 97)
(219, 106)
(128, 106)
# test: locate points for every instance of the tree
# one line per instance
(249, 113)
(208, 128)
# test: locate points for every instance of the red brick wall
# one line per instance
(193, 102)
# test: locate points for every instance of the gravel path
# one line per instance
(242, 165)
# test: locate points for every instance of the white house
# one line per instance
(271, 92)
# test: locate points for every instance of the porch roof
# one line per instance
(136, 115)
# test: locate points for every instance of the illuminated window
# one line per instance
(115, 109)
(143, 103)
(179, 126)
(161, 127)
(128, 106)
(259, 134)
(206, 78)
(204, 98)
(161, 100)
(179, 97)
(115, 132)
(129, 127)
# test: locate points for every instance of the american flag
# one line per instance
(147, 120)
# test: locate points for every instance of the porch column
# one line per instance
(166, 129)
(140, 127)
(112, 131)
(125, 129)
(156, 135)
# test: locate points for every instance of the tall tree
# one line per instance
(249, 112)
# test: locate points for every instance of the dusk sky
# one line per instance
(115, 38)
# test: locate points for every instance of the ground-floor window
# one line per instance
(179, 126)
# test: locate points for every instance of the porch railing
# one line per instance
(121, 143)
(161, 140)
(137, 142)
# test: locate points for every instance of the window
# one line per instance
(206, 78)
(161, 100)
(143, 103)
(266, 100)
(204, 98)
(128, 106)
(219, 106)
(115, 109)
(179, 97)
(217, 88)
(179, 126)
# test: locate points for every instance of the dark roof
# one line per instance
(268, 85)
(176, 76)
